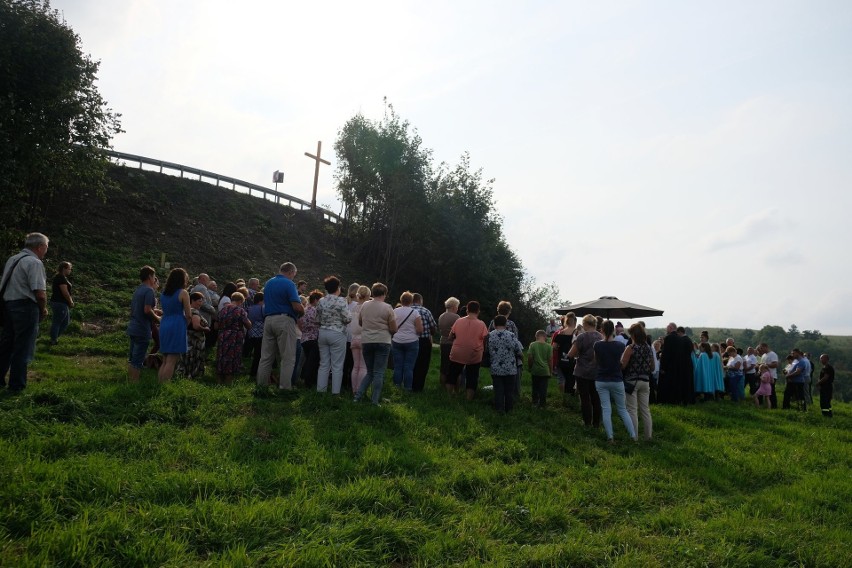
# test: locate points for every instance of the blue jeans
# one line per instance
(614, 389)
(60, 320)
(404, 357)
(736, 384)
(376, 361)
(17, 343)
(138, 349)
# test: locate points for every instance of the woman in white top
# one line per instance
(359, 367)
(406, 341)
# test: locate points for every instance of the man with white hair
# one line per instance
(24, 301)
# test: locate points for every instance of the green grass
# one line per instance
(98, 472)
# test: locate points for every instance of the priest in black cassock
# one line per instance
(677, 381)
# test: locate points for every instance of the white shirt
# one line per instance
(750, 361)
(768, 358)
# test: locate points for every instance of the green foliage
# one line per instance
(435, 230)
(53, 120)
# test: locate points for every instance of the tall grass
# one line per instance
(100, 472)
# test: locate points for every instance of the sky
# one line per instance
(695, 157)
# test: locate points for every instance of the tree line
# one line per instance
(432, 228)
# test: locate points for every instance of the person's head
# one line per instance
(301, 286)
(243, 290)
(731, 351)
(315, 297)
(540, 335)
(764, 368)
(552, 321)
(637, 333)
(671, 327)
(796, 353)
(363, 293)
(590, 322)
(599, 323)
(253, 284)
(716, 348)
(258, 298)
(196, 300)
(706, 348)
(331, 284)
(37, 243)
(241, 283)
(229, 289)
(406, 298)
(729, 341)
(204, 279)
(418, 299)
(473, 308)
(378, 290)
(212, 286)
(705, 336)
(500, 321)
(504, 308)
(823, 359)
(147, 274)
(681, 330)
(569, 320)
(451, 304)
(288, 269)
(64, 268)
(608, 329)
(352, 292)
(237, 298)
(657, 345)
(750, 350)
(178, 279)
(619, 328)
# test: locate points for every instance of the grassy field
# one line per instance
(98, 472)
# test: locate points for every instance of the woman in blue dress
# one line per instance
(177, 313)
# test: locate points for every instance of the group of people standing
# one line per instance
(346, 341)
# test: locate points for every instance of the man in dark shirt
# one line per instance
(826, 385)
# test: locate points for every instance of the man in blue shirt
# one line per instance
(142, 312)
(282, 307)
(795, 388)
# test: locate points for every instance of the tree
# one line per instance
(382, 177)
(54, 123)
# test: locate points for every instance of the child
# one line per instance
(765, 387)
(538, 358)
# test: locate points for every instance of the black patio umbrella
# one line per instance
(610, 307)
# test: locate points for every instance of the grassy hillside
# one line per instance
(98, 472)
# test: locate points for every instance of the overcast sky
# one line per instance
(691, 156)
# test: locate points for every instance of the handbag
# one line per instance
(629, 386)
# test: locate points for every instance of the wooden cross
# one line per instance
(318, 159)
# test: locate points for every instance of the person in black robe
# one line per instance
(677, 383)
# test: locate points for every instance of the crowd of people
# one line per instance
(331, 339)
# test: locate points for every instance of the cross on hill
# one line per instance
(318, 159)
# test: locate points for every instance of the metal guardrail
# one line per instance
(236, 184)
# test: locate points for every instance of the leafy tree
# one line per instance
(775, 337)
(382, 178)
(793, 332)
(53, 121)
(811, 334)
